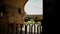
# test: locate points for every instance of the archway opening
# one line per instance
(34, 7)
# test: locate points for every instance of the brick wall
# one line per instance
(11, 11)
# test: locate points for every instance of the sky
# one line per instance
(34, 7)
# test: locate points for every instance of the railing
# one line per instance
(27, 29)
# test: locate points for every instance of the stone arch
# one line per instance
(11, 14)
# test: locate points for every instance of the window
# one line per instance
(19, 10)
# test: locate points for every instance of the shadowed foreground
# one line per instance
(23, 32)
(27, 29)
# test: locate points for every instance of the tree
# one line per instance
(36, 19)
(26, 19)
(40, 20)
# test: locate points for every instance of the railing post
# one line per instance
(26, 29)
(21, 28)
(10, 29)
(40, 29)
(29, 28)
(34, 28)
(37, 29)
(16, 29)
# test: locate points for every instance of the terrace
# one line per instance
(12, 15)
